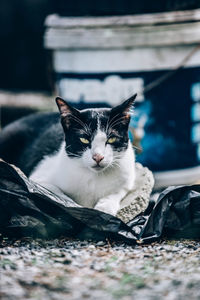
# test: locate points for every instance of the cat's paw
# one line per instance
(107, 206)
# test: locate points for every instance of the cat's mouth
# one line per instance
(98, 168)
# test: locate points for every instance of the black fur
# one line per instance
(25, 142)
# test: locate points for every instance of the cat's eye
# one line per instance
(84, 141)
(111, 140)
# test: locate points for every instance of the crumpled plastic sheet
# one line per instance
(29, 210)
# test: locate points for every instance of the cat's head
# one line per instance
(98, 138)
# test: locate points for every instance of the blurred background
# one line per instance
(95, 53)
(23, 59)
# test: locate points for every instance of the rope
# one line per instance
(152, 85)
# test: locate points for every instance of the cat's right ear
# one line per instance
(66, 111)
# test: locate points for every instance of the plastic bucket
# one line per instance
(105, 60)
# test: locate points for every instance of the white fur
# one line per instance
(75, 177)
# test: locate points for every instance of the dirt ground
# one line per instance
(72, 269)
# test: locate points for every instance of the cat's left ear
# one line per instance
(64, 108)
(125, 107)
(67, 112)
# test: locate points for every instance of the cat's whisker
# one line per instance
(118, 156)
(137, 148)
(67, 147)
(110, 126)
(116, 122)
(114, 118)
(78, 121)
(116, 162)
(85, 126)
(114, 165)
(73, 154)
(110, 121)
(89, 126)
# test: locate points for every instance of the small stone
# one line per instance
(91, 247)
(100, 243)
(67, 262)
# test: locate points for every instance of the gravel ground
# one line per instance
(71, 269)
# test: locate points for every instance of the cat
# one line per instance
(89, 158)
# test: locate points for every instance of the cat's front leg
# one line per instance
(110, 204)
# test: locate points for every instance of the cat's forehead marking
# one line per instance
(96, 118)
(99, 119)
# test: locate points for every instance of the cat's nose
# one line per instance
(97, 157)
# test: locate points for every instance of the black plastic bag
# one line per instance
(27, 209)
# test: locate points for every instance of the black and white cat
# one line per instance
(93, 162)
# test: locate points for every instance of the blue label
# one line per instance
(198, 151)
(195, 91)
(195, 112)
(196, 133)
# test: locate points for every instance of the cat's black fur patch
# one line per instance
(25, 142)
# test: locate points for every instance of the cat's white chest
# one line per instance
(87, 188)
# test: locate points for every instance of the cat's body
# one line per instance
(89, 158)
